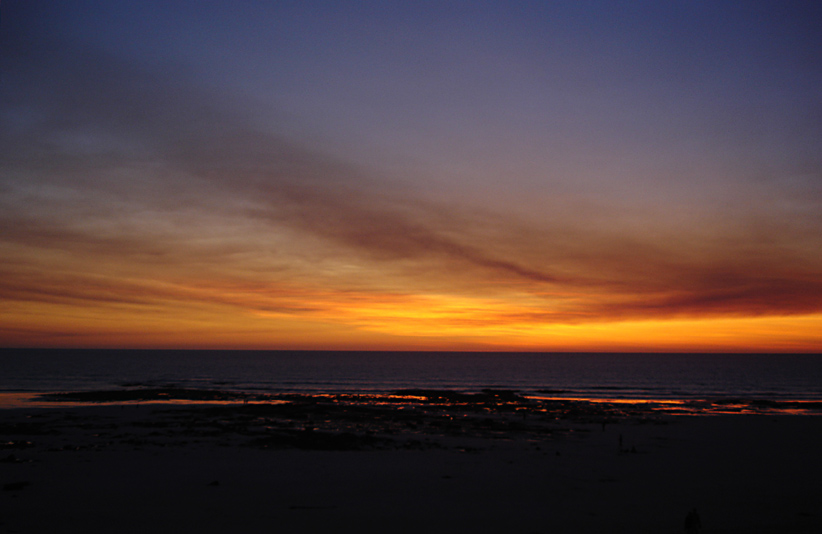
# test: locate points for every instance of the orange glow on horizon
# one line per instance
(374, 193)
(393, 322)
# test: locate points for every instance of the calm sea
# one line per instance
(587, 375)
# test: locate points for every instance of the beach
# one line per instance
(413, 462)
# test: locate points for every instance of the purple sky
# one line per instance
(516, 165)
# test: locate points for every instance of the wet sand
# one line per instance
(417, 462)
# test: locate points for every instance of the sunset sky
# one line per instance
(581, 175)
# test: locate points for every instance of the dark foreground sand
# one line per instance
(404, 465)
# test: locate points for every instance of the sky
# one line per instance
(426, 175)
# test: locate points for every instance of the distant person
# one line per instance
(692, 522)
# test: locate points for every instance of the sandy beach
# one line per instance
(403, 464)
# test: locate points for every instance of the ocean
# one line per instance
(565, 375)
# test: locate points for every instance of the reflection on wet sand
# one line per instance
(497, 400)
(309, 463)
(403, 419)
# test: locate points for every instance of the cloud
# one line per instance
(132, 185)
(97, 136)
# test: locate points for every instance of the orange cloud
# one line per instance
(150, 214)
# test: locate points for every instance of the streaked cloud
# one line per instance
(138, 189)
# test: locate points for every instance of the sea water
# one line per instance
(571, 375)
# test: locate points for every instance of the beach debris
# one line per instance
(16, 486)
(13, 459)
(16, 445)
(693, 524)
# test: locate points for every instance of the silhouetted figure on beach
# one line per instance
(692, 522)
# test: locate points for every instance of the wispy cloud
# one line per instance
(143, 188)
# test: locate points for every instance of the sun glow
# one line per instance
(531, 200)
(345, 320)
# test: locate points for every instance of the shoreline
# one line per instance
(423, 461)
(490, 397)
